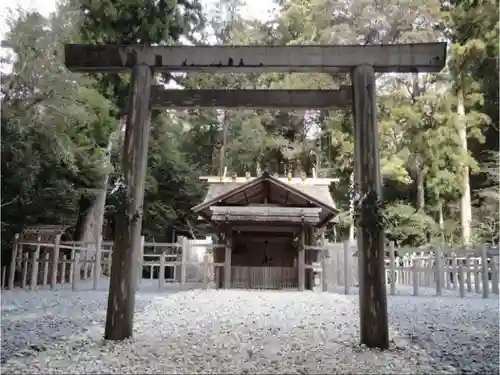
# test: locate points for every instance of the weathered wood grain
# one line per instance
(16, 250)
(422, 57)
(123, 279)
(372, 291)
(227, 258)
(266, 219)
(251, 99)
(265, 211)
(301, 259)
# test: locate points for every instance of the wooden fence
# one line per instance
(264, 278)
(462, 271)
(40, 265)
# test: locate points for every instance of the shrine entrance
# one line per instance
(266, 223)
(361, 62)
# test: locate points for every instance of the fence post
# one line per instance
(461, 279)
(401, 266)
(161, 274)
(454, 270)
(46, 260)
(15, 251)
(86, 262)
(494, 275)
(326, 274)
(337, 266)
(35, 257)
(26, 261)
(397, 275)
(409, 268)
(484, 267)
(439, 271)
(430, 273)
(416, 275)
(97, 261)
(447, 273)
(227, 259)
(421, 272)
(76, 271)
(71, 267)
(392, 268)
(408, 259)
(140, 261)
(469, 264)
(347, 266)
(404, 265)
(63, 269)
(477, 275)
(324, 260)
(301, 261)
(184, 251)
(55, 260)
(205, 269)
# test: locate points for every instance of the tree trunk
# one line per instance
(225, 127)
(85, 209)
(441, 223)
(100, 203)
(465, 202)
(318, 159)
(91, 207)
(416, 93)
(420, 188)
(123, 280)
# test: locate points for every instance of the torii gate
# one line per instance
(360, 61)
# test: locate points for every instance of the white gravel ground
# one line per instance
(203, 332)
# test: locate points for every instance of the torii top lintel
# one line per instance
(403, 58)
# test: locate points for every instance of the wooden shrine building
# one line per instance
(266, 224)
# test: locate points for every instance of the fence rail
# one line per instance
(461, 271)
(39, 264)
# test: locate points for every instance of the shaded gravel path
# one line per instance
(247, 332)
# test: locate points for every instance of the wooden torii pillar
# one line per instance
(360, 61)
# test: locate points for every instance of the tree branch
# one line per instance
(10, 202)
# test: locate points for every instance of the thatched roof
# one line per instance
(271, 190)
(216, 190)
(320, 192)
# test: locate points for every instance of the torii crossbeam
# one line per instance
(252, 99)
(425, 57)
(360, 61)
